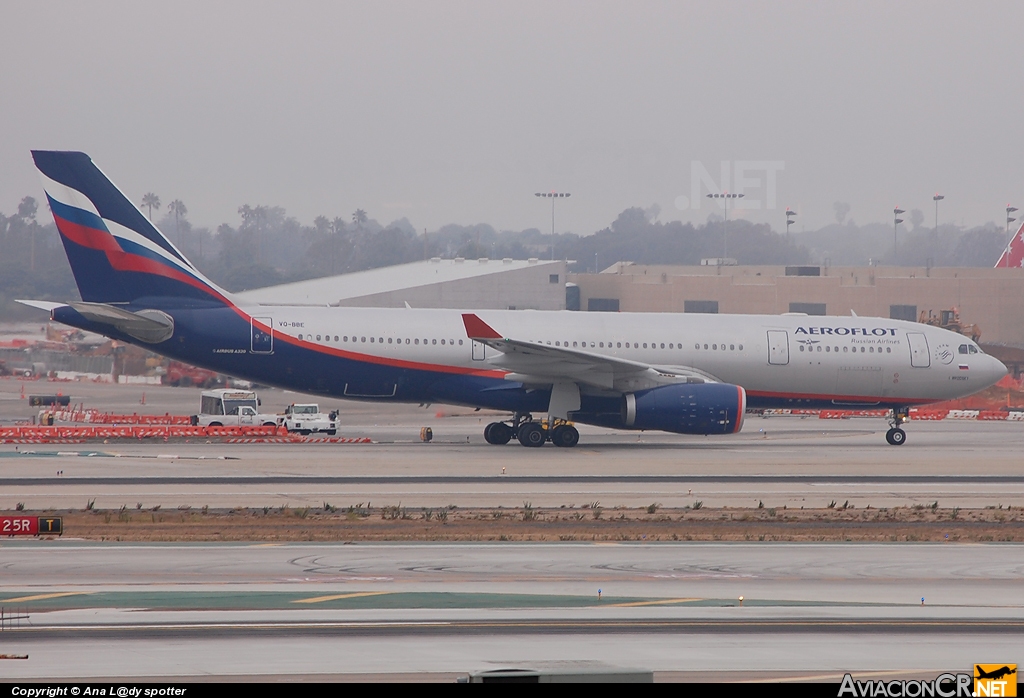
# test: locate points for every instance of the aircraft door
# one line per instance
(778, 347)
(479, 351)
(919, 355)
(261, 341)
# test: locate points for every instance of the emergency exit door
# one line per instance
(262, 340)
(778, 347)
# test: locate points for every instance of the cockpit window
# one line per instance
(973, 350)
(962, 349)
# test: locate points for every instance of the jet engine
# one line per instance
(687, 408)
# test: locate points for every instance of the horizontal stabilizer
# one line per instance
(150, 326)
(48, 306)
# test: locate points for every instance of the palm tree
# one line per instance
(151, 201)
(359, 217)
(178, 209)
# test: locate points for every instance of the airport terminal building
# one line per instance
(993, 299)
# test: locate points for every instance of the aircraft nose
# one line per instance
(994, 370)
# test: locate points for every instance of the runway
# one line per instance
(438, 609)
(433, 611)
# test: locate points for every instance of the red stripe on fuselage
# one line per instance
(379, 360)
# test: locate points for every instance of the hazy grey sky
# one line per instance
(460, 111)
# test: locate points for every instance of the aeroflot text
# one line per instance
(943, 686)
(876, 331)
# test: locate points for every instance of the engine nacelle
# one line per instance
(687, 408)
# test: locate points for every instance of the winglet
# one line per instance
(477, 328)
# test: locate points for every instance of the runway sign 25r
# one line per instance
(31, 526)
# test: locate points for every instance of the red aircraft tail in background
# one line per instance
(1013, 255)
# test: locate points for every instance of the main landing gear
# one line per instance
(896, 436)
(531, 433)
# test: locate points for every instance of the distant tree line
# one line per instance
(266, 246)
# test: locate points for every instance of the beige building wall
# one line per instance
(991, 298)
(527, 288)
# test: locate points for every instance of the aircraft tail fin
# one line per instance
(116, 254)
(1013, 255)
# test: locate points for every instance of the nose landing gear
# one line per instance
(896, 436)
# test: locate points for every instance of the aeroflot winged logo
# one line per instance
(858, 331)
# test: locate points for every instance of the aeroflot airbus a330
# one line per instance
(688, 374)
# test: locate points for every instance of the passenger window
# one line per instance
(705, 346)
(433, 341)
(362, 339)
(828, 349)
(741, 347)
(714, 346)
(732, 347)
(557, 344)
(460, 342)
(574, 343)
(801, 347)
(662, 345)
(417, 341)
(819, 347)
(318, 338)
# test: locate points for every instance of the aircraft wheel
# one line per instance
(565, 436)
(531, 434)
(896, 436)
(332, 432)
(501, 434)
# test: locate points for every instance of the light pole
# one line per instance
(935, 240)
(789, 219)
(553, 195)
(725, 196)
(1009, 209)
(896, 220)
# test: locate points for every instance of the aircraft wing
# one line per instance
(531, 362)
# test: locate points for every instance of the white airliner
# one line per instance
(682, 373)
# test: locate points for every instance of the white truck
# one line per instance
(308, 419)
(231, 408)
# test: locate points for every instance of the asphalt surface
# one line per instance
(433, 611)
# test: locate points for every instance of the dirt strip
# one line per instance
(396, 523)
